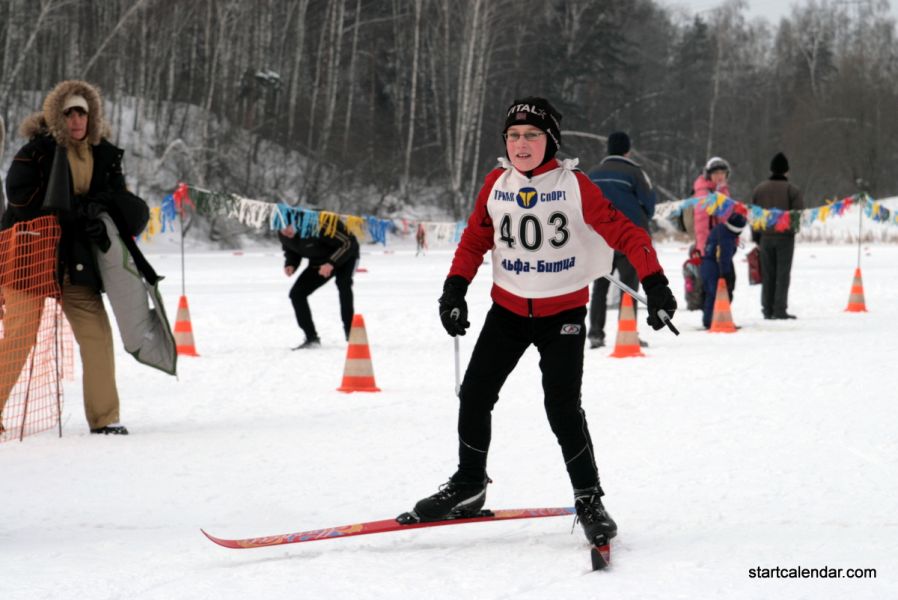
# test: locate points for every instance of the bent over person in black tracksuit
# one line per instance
(329, 256)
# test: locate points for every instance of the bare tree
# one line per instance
(418, 82)
(117, 30)
(46, 9)
(413, 97)
(353, 55)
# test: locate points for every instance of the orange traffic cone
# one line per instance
(358, 376)
(856, 298)
(722, 320)
(183, 331)
(627, 342)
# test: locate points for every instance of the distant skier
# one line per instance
(551, 232)
(421, 240)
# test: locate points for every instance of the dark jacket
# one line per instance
(628, 188)
(778, 193)
(337, 249)
(26, 187)
(29, 177)
(719, 251)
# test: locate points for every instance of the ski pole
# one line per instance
(662, 314)
(457, 369)
(455, 314)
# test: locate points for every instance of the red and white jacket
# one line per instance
(550, 235)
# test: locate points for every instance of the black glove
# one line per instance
(659, 298)
(93, 209)
(453, 308)
(95, 230)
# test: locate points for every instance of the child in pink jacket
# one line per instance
(713, 179)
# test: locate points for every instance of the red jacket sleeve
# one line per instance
(619, 231)
(477, 238)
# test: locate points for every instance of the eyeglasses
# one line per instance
(76, 109)
(530, 136)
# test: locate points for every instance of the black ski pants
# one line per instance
(504, 338)
(309, 281)
(776, 272)
(598, 304)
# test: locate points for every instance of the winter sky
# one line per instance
(772, 10)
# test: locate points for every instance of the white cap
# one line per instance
(75, 100)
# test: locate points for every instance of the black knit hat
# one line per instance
(541, 114)
(618, 143)
(780, 164)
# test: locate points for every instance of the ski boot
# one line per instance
(598, 526)
(455, 499)
(597, 523)
(596, 340)
(312, 342)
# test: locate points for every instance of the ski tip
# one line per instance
(600, 554)
(208, 535)
(218, 541)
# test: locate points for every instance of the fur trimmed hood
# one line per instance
(51, 121)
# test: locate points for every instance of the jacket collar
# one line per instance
(619, 158)
(544, 168)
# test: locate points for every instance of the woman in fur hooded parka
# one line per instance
(71, 125)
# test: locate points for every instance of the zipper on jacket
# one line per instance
(530, 307)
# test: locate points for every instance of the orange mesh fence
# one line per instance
(32, 340)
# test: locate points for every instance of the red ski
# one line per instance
(601, 551)
(387, 525)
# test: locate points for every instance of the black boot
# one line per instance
(311, 342)
(111, 429)
(454, 498)
(595, 520)
(783, 315)
(596, 340)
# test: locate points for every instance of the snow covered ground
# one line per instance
(772, 447)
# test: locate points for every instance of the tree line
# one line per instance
(393, 98)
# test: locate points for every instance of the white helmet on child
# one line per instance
(715, 163)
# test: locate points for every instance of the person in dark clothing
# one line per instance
(71, 127)
(777, 247)
(539, 217)
(629, 189)
(2, 195)
(329, 256)
(717, 260)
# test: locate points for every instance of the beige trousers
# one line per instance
(21, 320)
(83, 307)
